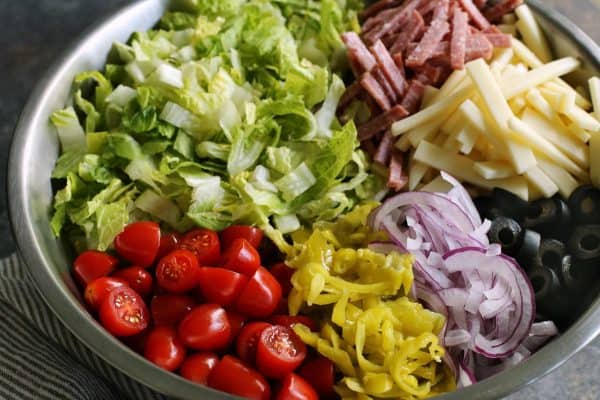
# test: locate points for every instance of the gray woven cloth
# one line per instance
(40, 358)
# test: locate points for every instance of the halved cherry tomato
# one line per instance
(123, 312)
(137, 278)
(261, 296)
(205, 328)
(236, 321)
(241, 257)
(288, 320)
(294, 387)
(247, 341)
(164, 348)
(221, 286)
(232, 376)
(98, 290)
(91, 265)
(168, 243)
(177, 272)
(170, 309)
(279, 351)
(204, 244)
(250, 233)
(320, 373)
(283, 274)
(139, 242)
(198, 367)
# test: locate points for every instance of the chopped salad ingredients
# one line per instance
(232, 224)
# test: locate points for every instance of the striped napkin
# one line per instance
(40, 358)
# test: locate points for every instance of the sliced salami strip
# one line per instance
(412, 32)
(480, 3)
(352, 92)
(370, 84)
(385, 84)
(360, 57)
(432, 74)
(458, 42)
(381, 122)
(478, 19)
(384, 150)
(503, 7)
(424, 51)
(501, 40)
(393, 23)
(399, 60)
(442, 11)
(412, 100)
(396, 179)
(377, 7)
(394, 75)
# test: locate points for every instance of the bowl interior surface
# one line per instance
(33, 155)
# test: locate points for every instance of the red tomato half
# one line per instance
(279, 351)
(123, 312)
(247, 341)
(170, 309)
(138, 279)
(198, 367)
(139, 242)
(283, 274)
(294, 387)
(91, 265)
(261, 296)
(205, 328)
(250, 233)
(177, 272)
(221, 286)
(168, 243)
(288, 320)
(319, 372)
(232, 376)
(241, 257)
(164, 348)
(204, 244)
(99, 289)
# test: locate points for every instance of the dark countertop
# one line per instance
(36, 32)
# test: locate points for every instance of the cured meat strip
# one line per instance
(428, 43)
(384, 150)
(478, 46)
(394, 75)
(458, 41)
(391, 24)
(441, 11)
(396, 179)
(503, 7)
(499, 39)
(370, 84)
(480, 3)
(385, 84)
(478, 19)
(427, 7)
(377, 7)
(412, 31)
(399, 60)
(412, 100)
(352, 92)
(360, 57)
(381, 122)
(431, 75)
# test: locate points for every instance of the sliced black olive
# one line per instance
(551, 253)
(487, 207)
(575, 276)
(529, 249)
(550, 299)
(511, 205)
(584, 203)
(549, 217)
(584, 243)
(508, 233)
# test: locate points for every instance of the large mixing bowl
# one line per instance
(35, 149)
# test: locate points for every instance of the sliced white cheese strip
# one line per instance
(540, 104)
(494, 169)
(558, 135)
(595, 94)
(539, 75)
(539, 180)
(503, 57)
(578, 132)
(428, 95)
(532, 33)
(508, 29)
(416, 173)
(461, 167)
(437, 185)
(565, 181)
(595, 159)
(583, 119)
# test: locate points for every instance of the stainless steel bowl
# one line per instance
(34, 152)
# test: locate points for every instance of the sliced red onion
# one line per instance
(456, 337)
